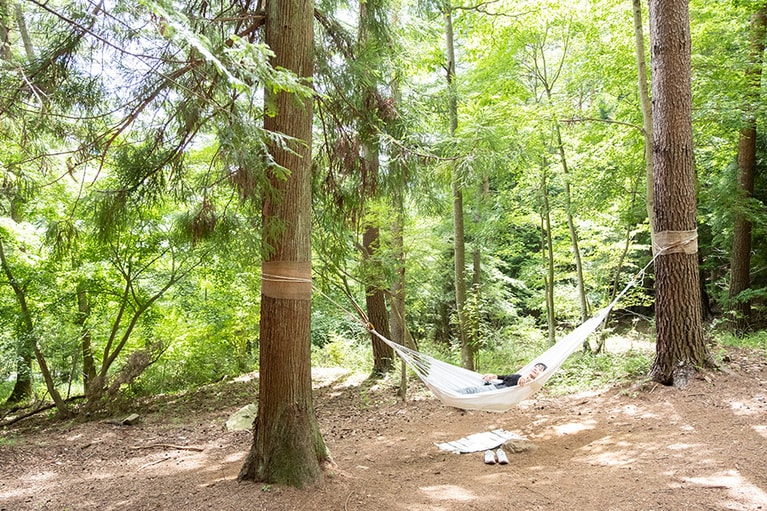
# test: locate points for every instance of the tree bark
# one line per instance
(547, 253)
(644, 98)
(25, 351)
(459, 230)
(375, 303)
(571, 225)
(287, 445)
(83, 313)
(740, 258)
(375, 300)
(680, 348)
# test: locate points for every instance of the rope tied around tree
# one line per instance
(675, 242)
(290, 280)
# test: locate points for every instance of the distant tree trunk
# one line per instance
(375, 300)
(680, 348)
(22, 389)
(28, 348)
(473, 333)
(287, 445)
(375, 303)
(644, 98)
(459, 244)
(573, 231)
(397, 319)
(83, 312)
(740, 259)
(547, 252)
(5, 43)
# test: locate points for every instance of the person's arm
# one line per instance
(507, 380)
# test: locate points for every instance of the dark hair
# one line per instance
(542, 365)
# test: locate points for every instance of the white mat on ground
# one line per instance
(480, 441)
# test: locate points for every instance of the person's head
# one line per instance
(540, 367)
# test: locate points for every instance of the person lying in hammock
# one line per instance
(494, 381)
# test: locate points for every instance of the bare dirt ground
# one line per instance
(639, 447)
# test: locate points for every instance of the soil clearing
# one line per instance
(640, 447)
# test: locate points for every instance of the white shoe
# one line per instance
(502, 458)
(489, 458)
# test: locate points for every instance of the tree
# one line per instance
(287, 445)
(456, 184)
(370, 41)
(646, 106)
(680, 347)
(740, 258)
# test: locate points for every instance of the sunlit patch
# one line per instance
(761, 429)
(613, 459)
(574, 427)
(244, 378)
(635, 412)
(740, 490)
(682, 447)
(42, 476)
(629, 410)
(448, 492)
(608, 452)
(748, 407)
(235, 457)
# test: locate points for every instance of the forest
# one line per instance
(192, 191)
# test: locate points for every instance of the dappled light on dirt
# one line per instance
(740, 493)
(574, 427)
(630, 448)
(755, 405)
(449, 492)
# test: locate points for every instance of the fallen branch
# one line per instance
(170, 446)
(154, 462)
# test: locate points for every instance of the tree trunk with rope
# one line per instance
(680, 347)
(287, 445)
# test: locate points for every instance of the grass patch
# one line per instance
(753, 340)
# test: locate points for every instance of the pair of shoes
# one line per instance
(499, 456)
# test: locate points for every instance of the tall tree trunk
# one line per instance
(375, 303)
(287, 445)
(644, 98)
(473, 332)
(680, 347)
(740, 259)
(397, 320)
(547, 252)
(28, 342)
(5, 31)
(571, 226)
(375, 300)
(459, 244)
(83, 313)
(25, 350)
(399, 171)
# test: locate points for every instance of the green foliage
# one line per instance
(133, 164)
(754, 340)
(354, 354)
(588, 371)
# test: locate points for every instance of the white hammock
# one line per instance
(449, 382)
